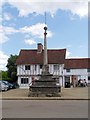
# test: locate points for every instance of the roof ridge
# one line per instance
(43, 49)
(76, 58)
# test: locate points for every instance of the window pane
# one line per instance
(21, 80)
(67, 70)
(27, 67)
(88, 77)
(56, 67)
(40, 66)
(88, 70)
(24, 80)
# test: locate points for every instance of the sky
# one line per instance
(22, 23)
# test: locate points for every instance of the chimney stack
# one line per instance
(39, 48)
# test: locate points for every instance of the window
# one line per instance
(67, 70)
(89, 78)
(56, 67)
(24, 80)
(67, 79)
(27, 67)
(88, 70)
(40, 66)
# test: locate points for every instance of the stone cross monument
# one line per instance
(46, 85)
(45, 69)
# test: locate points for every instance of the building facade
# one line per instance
(30, 62)
(76, 69)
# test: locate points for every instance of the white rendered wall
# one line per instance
(80, 73)
(76, 72)
(21, 72)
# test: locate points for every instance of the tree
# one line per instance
(4, 75)
(12, 68)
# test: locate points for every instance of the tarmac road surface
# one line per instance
(44, 109)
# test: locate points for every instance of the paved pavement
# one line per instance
(17, 104)
(45, 109)
(66, 93)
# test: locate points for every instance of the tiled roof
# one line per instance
(33, 57)
(77, 63)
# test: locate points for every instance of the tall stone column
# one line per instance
(45, 69)
(45, 47)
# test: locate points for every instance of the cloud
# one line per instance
(36, 30)
(30, 41)
(3, 60)
(3, 38)
(1, 19)
(9, 30)
(33, 31)
(5, 32)
(7, 16)
(78, 7)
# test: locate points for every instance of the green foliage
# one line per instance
(4, 75)
(12, 68)
(0, 75)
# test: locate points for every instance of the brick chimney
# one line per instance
(39, 48)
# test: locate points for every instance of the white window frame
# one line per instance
(24, 80)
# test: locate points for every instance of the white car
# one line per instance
(3, 86)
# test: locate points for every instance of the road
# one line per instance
(44, 109)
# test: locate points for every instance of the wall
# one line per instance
(21, 72)
(80, 73)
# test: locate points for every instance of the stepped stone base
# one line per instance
(44, 91)
(38, 94)
(45, 87)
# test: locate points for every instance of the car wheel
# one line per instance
(6, 89)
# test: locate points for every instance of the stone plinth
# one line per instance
(45, 86)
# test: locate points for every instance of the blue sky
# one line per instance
(22, 26)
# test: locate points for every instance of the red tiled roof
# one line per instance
(77, 63)
(33, 57)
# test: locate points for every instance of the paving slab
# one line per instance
(78, 93)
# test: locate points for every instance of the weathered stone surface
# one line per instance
(46, 85)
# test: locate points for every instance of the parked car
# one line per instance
(15, 85)
(3, 86)
(11, 85)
